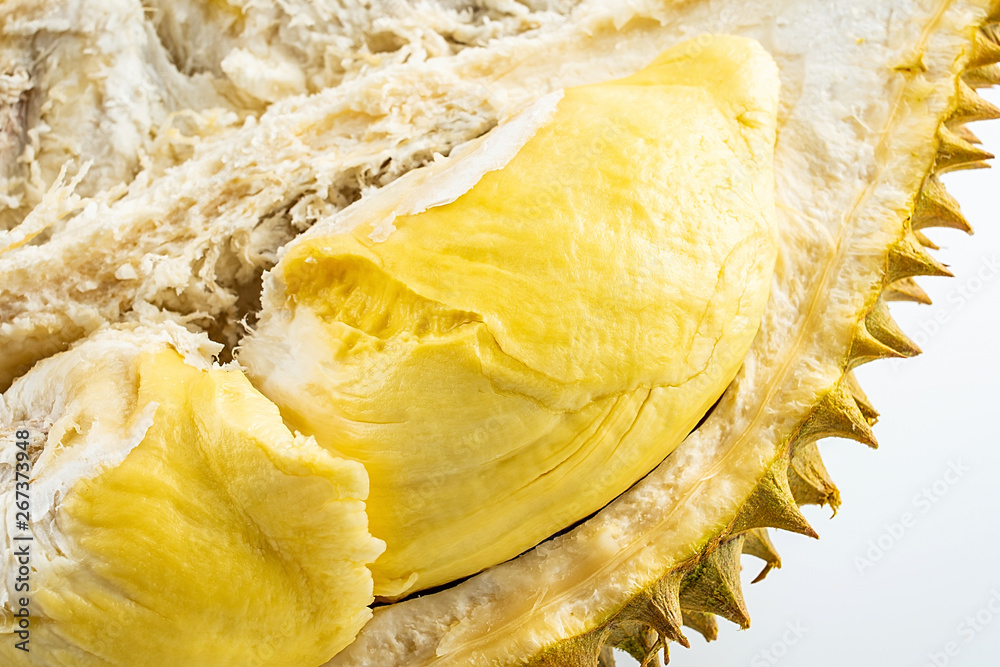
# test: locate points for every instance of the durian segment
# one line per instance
(176, 520)
(195, 183)
(218, 191)
(856, 141)
(507, 363)
(834, 232)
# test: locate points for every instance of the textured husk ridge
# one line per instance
(693, 593)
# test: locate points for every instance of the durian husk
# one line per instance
(666, 554)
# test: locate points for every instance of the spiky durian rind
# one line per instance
(927, 100)
(843, 412)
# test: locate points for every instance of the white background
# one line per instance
(873, 592)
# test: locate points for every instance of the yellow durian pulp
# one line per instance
(507, 363)
(176, 520)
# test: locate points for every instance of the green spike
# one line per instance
(971, 107)
(880, 324)
(759, 545)
(956, 153)
(606, 658)
(639, 641)
(713, 585)
(586, 650)
(837, 415)
(983, 77)
(985, 49)
(936, 208)
(964, 132)
(866, 348)
(906, 289)
(907, 258)
(703, 623)
(659, 608)
(993, 15)
(771, 505)
(924, 241)
(865, 405)
(808, 479)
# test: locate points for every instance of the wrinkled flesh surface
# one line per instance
(508, 363)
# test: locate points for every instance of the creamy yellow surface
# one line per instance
(219, 539)
(506, 364)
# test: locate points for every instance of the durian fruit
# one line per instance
(172, 518)
(872, 105)
(507, 363)
(856, 175)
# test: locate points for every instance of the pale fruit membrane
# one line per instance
(507, 363)
(174, 519)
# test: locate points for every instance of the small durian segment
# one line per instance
(507, 363)
(176, 520)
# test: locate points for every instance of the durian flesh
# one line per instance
(507, 363)
(175, 520)
(865, 87)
